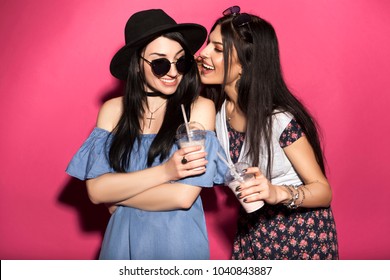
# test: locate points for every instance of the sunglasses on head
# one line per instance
(233, 10)
(161, 66)
(239, 20)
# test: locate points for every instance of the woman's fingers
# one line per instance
(189, 161)
(190, 149)
(258, 186)
(255, 171)
(192, 157)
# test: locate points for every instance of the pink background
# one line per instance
(54, 76)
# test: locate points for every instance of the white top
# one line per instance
(282, 172)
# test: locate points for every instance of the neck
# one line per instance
(153, 114)
(231, 92)
(154, 93)
(235, 117)
(233, 111)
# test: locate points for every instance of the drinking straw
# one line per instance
(186, 122)
(231, 167)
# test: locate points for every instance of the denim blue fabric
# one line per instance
(136, 234)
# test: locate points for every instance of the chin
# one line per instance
(168, 92)
(210, 81)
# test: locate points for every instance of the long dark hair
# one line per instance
(128, 129)
(261, 88)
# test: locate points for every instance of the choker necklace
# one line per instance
(151, 113)
(154, 93)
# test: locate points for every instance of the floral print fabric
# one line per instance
(276, 232)
(236, 140)
(291, 133)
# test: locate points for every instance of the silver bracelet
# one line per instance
(291, 204)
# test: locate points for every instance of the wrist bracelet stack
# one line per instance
(297, 196)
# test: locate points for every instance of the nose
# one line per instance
(199, 59)
(173, 70)
(205, 52)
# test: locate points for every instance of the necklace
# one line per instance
(230, 116)
(152, 112)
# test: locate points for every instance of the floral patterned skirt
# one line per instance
(277, 233)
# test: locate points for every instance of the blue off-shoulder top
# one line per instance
(137, 234)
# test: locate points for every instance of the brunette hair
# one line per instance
(128, 129)
(261, 88)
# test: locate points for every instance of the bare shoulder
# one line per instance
(109, 114)
(203, 111)
(203, 103)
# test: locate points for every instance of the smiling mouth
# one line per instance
(168, 81)
(208, 67)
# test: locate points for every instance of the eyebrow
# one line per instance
(163, 54)
(217, 43)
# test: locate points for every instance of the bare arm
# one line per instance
(164, 198)
(316, 187)
(302, 157)
(116, 187)
(176, 196)
(203, 111)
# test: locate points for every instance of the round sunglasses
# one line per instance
(240, 20)
(161, 66)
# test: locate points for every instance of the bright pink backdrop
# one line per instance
(54, 76)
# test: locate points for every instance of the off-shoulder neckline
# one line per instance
(96, 128)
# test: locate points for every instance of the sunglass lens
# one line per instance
(183, 64)
(161, 66)
(231, 10)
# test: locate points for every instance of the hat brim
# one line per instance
(194, 34)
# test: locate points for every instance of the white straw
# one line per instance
(186, 122)
(231, 167)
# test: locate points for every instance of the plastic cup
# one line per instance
(234, 179)
(196, 135)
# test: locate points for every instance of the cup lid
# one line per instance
(240, 168)
(194, 127)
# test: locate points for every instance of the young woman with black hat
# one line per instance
(130, 159)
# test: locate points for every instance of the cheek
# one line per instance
(220, 74)
(234, 72)
(214, 78)
(218, 64)
(219, 69)
(179, 79)
(150, 80)
(149, 76)
(232, 77)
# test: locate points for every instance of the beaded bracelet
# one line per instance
(291, 204)
(303, 195)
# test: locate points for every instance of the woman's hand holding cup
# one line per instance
(185, 162)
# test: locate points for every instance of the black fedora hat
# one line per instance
(146, 25)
